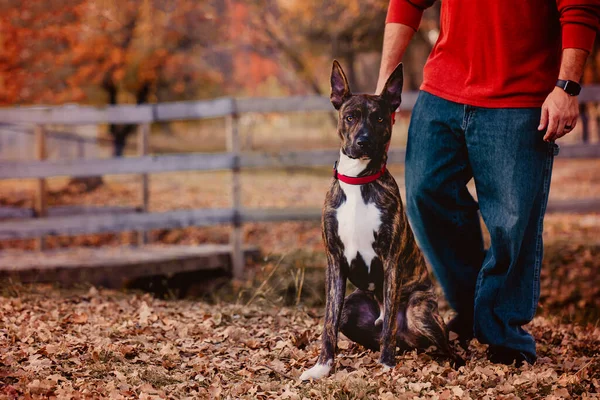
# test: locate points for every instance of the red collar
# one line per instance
(358, 180)
(361, 180)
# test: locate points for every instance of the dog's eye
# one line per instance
(349, 118)
(380, 119)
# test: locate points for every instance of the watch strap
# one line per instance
(572, 88)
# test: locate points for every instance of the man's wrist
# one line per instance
(380, 86)
(384, 73)
(569, 77)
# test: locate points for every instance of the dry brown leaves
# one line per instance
(100, 344)
(570, 280)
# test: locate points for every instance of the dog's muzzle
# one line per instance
(362, 149)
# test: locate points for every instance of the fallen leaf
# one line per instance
(79, 318)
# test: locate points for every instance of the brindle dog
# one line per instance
(368, 240)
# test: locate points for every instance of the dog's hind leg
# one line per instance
(360, 312)
(358, 323)
(425, 327)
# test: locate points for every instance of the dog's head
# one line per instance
(364, 121)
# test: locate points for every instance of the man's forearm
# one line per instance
(395, 41)
(572, 63)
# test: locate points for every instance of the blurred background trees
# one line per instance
(140, 51)
(107, 52)
(128, 51)
(307, 35)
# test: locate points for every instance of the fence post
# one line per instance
(81, 148)
(142, 146)
(41, 196)
(585, 134)
(233, 146)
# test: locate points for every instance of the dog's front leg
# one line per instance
(391, 304)
(334, 302)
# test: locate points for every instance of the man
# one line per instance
(490, 108)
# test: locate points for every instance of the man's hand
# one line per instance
(559, 114)
(560, 111)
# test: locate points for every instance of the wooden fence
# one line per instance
(16, 142)
(141, 220)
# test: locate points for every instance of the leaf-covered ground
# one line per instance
(90, 343)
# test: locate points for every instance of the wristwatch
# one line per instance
(572, 88)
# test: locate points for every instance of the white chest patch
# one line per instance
(357, 221)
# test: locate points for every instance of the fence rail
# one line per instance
(152, 164)
(54, 223)
(192, 110)
(129, 221)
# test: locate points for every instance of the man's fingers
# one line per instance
(543, 118)
(569, 125)
(573, 123)
(566, 129)
(560, 129)
(552, 126)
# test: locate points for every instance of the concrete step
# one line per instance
(114, 266)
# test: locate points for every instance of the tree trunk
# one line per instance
(119, 142)
(120, 133)
(351, 70)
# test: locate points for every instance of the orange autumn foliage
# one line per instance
(57, 51)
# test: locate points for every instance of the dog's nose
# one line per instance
(362, 143)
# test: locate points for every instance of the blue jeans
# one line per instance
(502, 150)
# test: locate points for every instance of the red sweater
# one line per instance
(500, 53)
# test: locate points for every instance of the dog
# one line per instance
(368, 240)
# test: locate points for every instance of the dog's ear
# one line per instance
(392, 91)
(340, 91)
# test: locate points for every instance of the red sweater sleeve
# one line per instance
(407, 12)
(580, 20)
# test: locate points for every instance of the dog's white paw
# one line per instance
(317, 372)
(385, 368)
(379, 320)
